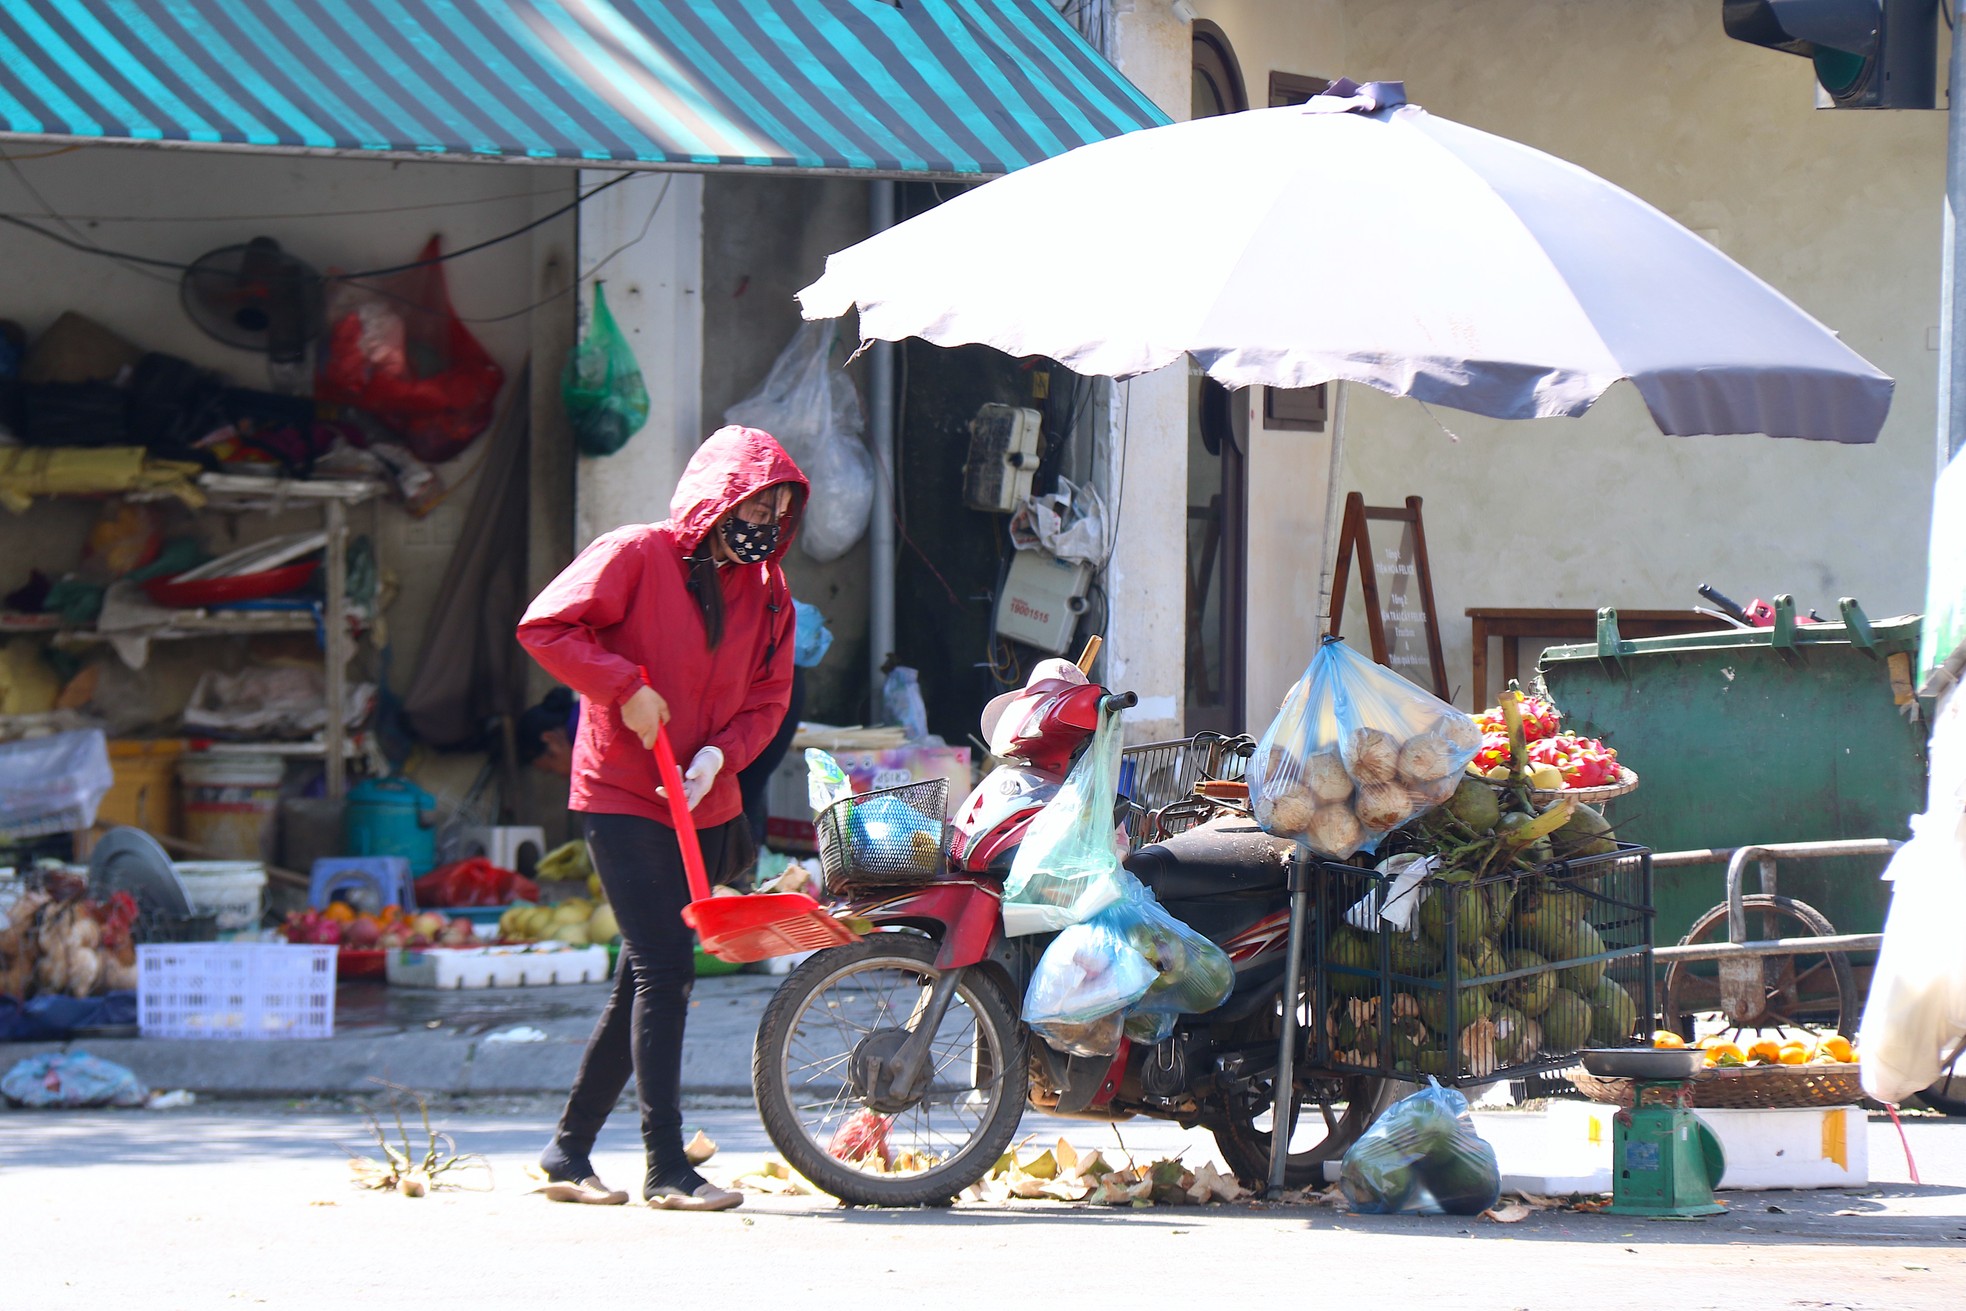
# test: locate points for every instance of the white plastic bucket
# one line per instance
(233, 890)
(229, 803)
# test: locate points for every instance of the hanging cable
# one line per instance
(89, 248)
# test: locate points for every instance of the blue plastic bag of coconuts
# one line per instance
(1355, 752)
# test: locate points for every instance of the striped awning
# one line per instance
(917, 88)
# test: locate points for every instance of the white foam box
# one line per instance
(1806, 1147)
(512, 966)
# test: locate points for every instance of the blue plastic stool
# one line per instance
(386, 878)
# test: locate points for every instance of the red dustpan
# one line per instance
(739, 929)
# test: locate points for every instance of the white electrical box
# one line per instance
(1003, 457)
(1042, 600)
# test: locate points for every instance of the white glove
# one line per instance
(702, 772)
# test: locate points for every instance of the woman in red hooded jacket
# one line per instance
(697, 600)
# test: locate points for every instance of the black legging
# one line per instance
(640, 1031)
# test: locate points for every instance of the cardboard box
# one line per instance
(789, 812)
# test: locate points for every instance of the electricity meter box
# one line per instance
(1003, 457)
(1042, 600)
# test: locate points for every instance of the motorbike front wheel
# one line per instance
(826, 1033)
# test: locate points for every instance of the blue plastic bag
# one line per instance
(1355, 752)
(69, 1081)
(811, 637)
(1192, 975)
(1422, 1155)
(1082, 987)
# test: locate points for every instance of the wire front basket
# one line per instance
(1157, 776)
(889, 837)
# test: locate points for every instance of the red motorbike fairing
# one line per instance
(964, 917)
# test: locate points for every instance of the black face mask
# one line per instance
(749, 543)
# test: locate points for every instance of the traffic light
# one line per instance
(1869, 54)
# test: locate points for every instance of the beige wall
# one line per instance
(1838, 210)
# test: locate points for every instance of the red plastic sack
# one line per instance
(397, 349)
(474, 882)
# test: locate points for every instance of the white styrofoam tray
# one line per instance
(519, 965)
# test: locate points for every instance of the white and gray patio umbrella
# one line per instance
(1359, 238)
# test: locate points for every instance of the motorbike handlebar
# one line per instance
(1732, 610)
(1119, 701)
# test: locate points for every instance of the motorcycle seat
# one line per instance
(1224, 857)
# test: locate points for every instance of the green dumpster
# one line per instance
(1796, 733)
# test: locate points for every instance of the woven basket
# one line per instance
(1627, 782)
(1764, 1087)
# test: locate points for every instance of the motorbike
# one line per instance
(895, 1070)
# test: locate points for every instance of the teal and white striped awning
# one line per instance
(918, 88)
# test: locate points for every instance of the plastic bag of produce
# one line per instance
(1355, 752)
(826, 782)
(1082, 987)
(808, 403)
(1067, 869)
(1191, 974)
(1422, 1155)
(602, 388)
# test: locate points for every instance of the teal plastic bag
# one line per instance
(602, 387)
(1067, 869)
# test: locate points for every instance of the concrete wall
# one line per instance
(1145, 449)
(654, 290)
(1838, 210)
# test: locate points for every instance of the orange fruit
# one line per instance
(1725, 1053)
(339, 911)
(1667, 1038)
(1793, 1053)
(1838, 1048)
(1766, 1052)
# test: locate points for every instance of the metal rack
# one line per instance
(243, 493)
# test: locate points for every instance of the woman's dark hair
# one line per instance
(708, 592)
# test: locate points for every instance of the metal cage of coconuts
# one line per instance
(1500, 978)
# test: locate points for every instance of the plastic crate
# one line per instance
(520, 965)
(1466, 1006)
(889, 837)
(243, 990)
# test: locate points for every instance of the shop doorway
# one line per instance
(1218, 434)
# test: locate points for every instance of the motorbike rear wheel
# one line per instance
(1345, 1108)
(834, 1018)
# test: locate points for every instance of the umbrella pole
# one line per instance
(1952, 303)
(1332, 501)
(1285, 1103)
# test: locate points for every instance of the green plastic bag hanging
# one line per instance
(602, 386)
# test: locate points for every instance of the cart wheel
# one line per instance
(1802, 989)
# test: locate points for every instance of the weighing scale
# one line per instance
(1665, 1162)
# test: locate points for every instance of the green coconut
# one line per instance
(1414, 956)
(1474, 803)
(1582, 979)
(1501, 900)
(1531, 993)
(1349, 949)
(1472, 1003)
(1613, 1014)
(1469, 908)
(1567, 1022)
(1586, 833)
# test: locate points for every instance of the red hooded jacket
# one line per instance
(624, 604)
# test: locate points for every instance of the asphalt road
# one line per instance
(250, 1204)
